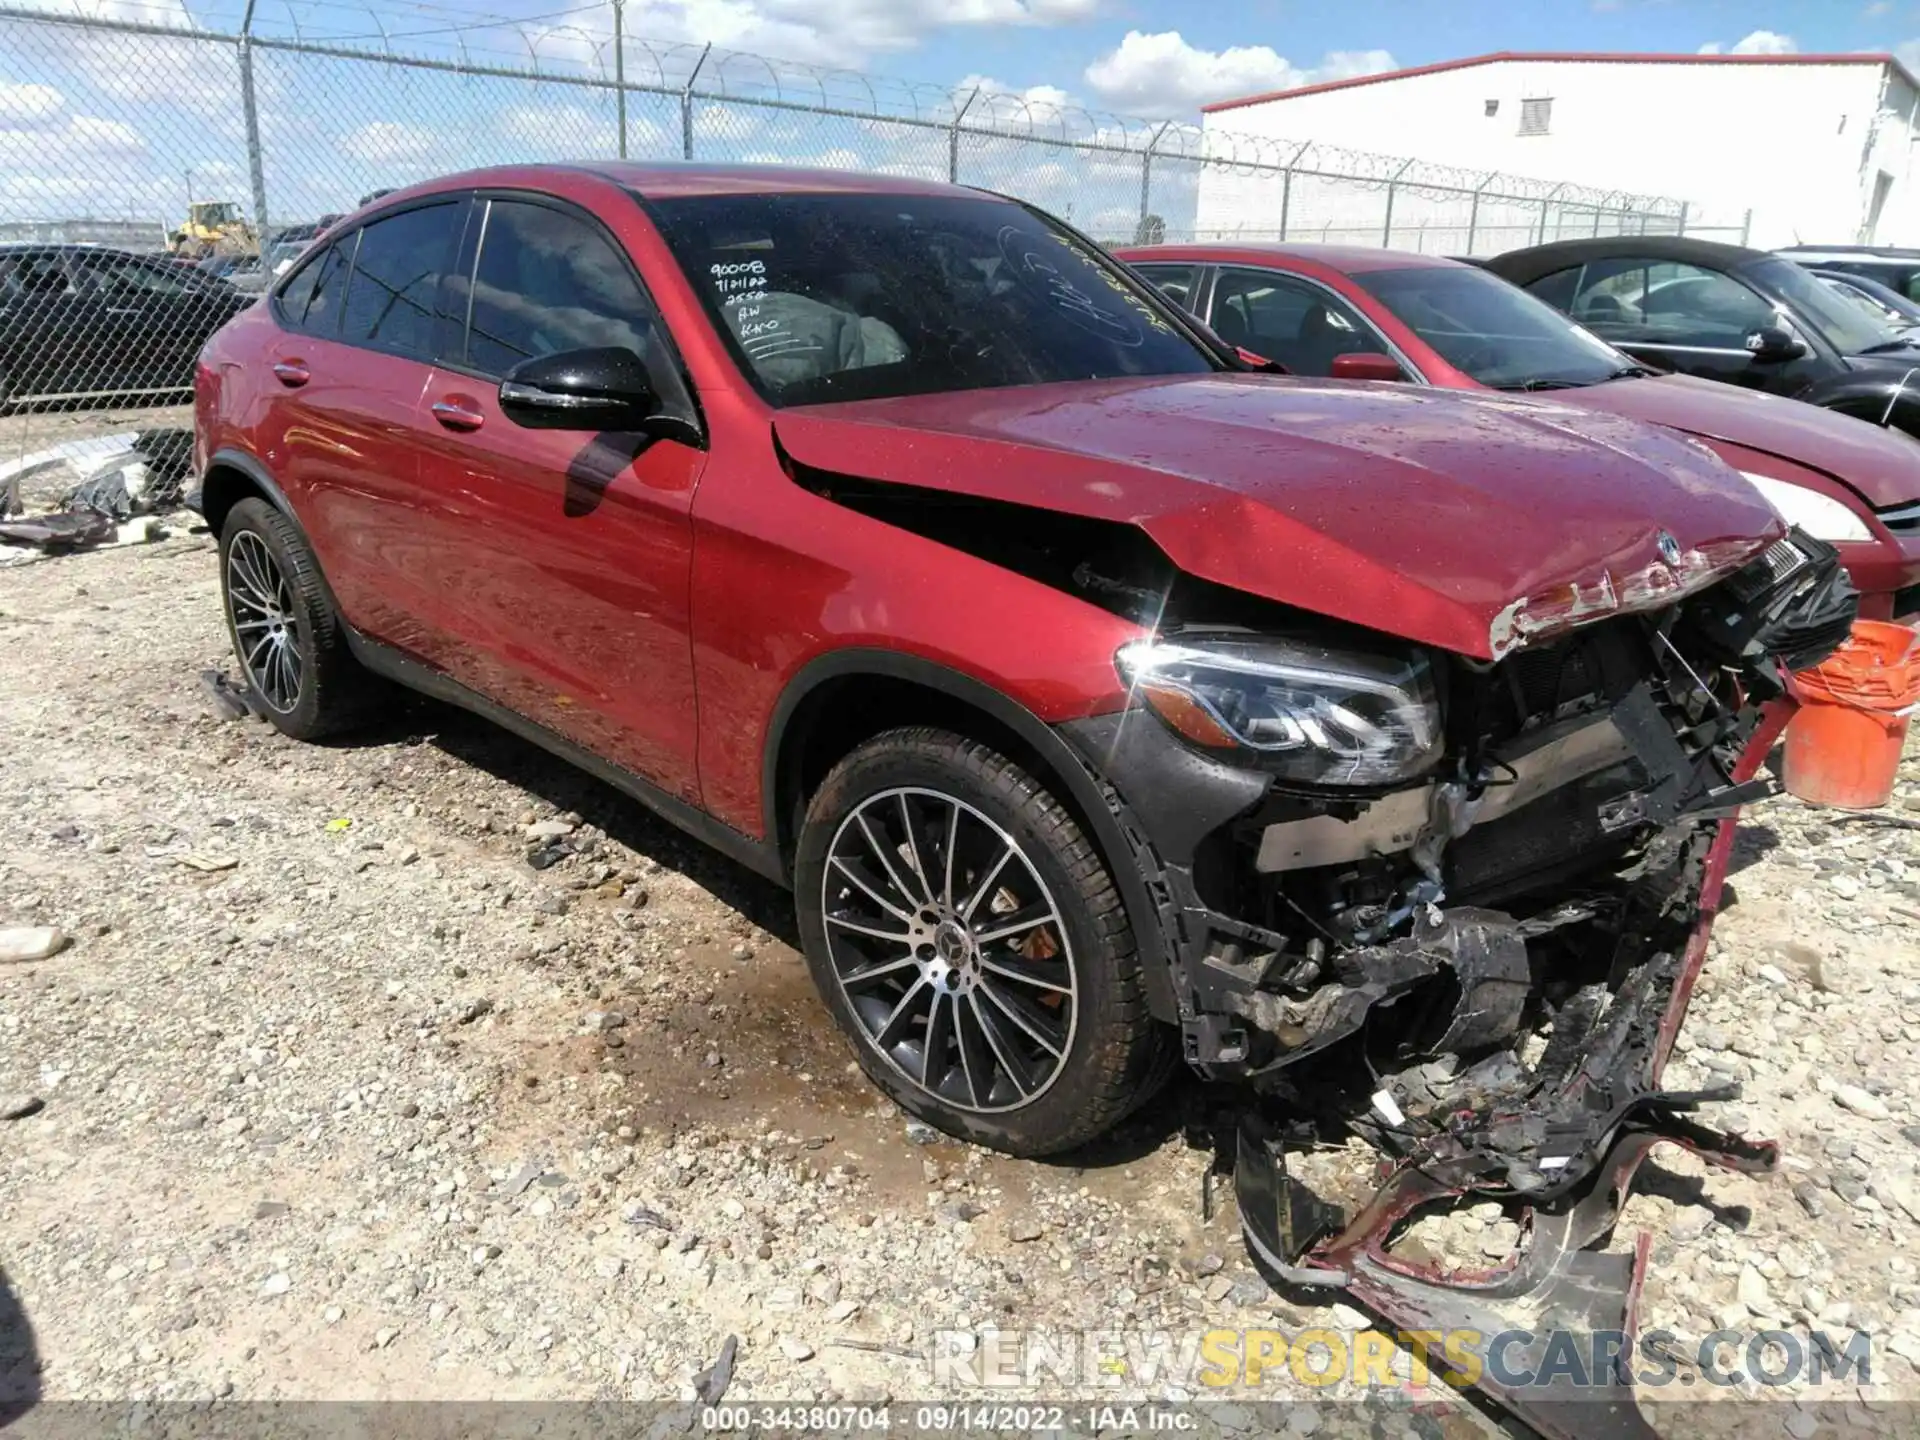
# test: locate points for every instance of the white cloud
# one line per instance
(578, 132)
(29, 105)
(834, 32)
(1877, 9)
(1035, 97)
(92, 134)
(387, 141)
(1162, 74)
(1757, 42)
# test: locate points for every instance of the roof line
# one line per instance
(1573, 56)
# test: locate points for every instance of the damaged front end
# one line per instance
(1456, 907)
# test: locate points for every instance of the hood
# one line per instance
(1882, 465)
(1467, 521)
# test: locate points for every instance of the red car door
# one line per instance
(350, 366)
(562, 558)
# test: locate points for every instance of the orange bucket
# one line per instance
(1844, 743)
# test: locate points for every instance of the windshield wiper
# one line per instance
(1899, 342)
(1629, 372)
(1531, 385)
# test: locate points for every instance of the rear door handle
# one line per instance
(458, 414)
(291, 373)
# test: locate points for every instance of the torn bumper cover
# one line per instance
(1481, 972)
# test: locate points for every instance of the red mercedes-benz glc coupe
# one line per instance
(1102, 700)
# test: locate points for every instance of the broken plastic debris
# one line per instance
(115, 482)
(1389, 1110)
(341, 822)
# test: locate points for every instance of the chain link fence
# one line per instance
(228, 135)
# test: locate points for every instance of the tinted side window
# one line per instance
(549, 281)
(1173, 281)
(310, 300)
(36, 274)
(121, 277)
(1557, 289)
(396, 275)
(1666, 302)
(293, 296)
(1300, 325)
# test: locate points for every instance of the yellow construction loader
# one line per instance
(214, 227)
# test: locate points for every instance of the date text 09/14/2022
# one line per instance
(946, 1419)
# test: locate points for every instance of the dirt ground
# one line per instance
(338, 1098)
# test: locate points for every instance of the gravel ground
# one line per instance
(336, 1096)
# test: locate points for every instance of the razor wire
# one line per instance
(228, 135)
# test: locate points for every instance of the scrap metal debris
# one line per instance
(231, 700)
(115, 485)
(710, 1384)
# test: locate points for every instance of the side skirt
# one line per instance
(401, 668)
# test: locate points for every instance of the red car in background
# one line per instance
(1364, 314)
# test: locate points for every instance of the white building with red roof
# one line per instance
(1820, 148)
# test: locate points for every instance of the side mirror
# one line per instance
(600, 389)
(1366, 365)
(1255, 360)
(1772, 343)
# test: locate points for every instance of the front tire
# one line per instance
(289, 641)
(965, 934)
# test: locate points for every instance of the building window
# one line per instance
(1535, 116)
(1493, 107)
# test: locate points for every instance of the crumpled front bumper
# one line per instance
(1603, 1117)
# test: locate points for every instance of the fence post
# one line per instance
(1473, 209)
(1386, 229)
(1544, 203)
(1286, 186)
(250, 110)
(1746, 225)
(1146, 179)
(620, 71)
(686, 105)
(953, 138)
(1683, 219)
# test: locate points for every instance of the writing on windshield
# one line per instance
(830, 296)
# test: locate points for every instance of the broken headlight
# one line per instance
(1332, 717)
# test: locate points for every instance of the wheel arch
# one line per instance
(232, 476)
(841, 699)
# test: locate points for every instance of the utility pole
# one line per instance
(250, 111)
(620, 70)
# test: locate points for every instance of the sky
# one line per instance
(116, 125)
(1166, 57)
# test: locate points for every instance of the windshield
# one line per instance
(853, 297)
(1498, 334)
(1841, 323)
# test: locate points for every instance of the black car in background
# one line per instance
(1893, 307)
(1726, 313)
(86, 321)
(1894, 268)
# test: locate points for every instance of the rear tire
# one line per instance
(967, 937)
(290, 643)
